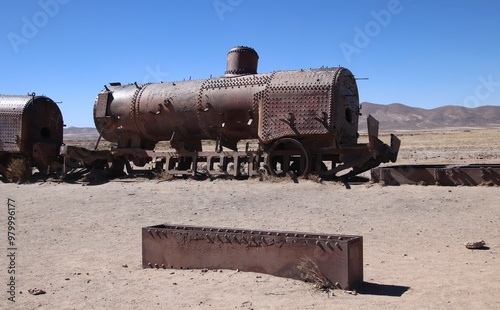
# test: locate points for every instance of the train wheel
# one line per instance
(288, 155)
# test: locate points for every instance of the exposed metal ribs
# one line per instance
(445, 175)
(339, 258)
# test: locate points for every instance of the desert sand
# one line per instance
(81, 243)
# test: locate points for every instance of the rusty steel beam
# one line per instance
(338, 258)
(444, 175)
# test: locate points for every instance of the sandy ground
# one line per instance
(82, 244)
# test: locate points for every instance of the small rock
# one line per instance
(125, 266)
(475, 245)
(36, 291)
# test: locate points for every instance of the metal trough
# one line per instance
(339, 258)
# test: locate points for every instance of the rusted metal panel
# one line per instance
(11, 113)
(226, 106)
(45, 153)
(339, 258)
(102, 104)
(445, 175)
(294, 102)
(345, 107)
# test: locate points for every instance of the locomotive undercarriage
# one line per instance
(294, 156)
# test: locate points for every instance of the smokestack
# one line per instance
(241, 60)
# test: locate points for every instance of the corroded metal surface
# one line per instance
(31, 126)
(11, 113)
(445, 175)
(339, 258)
(305, 121)
(241, 60)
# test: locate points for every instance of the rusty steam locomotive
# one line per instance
(303, 121)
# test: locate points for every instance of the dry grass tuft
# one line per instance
(369, 184)
(488, 183)
(310, 273)
(264, 177)
(163, 176)
(313, 177)
(20, 170)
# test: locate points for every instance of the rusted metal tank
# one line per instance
(301, 118)
(239, 105)
(30, 126)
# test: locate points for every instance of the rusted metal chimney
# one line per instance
(241, 60)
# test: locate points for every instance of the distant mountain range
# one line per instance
(80, 134)
(398, 116)
(394, 116)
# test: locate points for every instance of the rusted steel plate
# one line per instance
(11, 113)
(295, 101)
(339, 258)
(445, 175)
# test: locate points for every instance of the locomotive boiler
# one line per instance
(31, 127)
(304, 120)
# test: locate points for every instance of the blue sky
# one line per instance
(421, 53)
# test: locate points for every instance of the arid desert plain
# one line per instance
(81, 243)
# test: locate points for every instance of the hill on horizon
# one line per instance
(397, 116)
